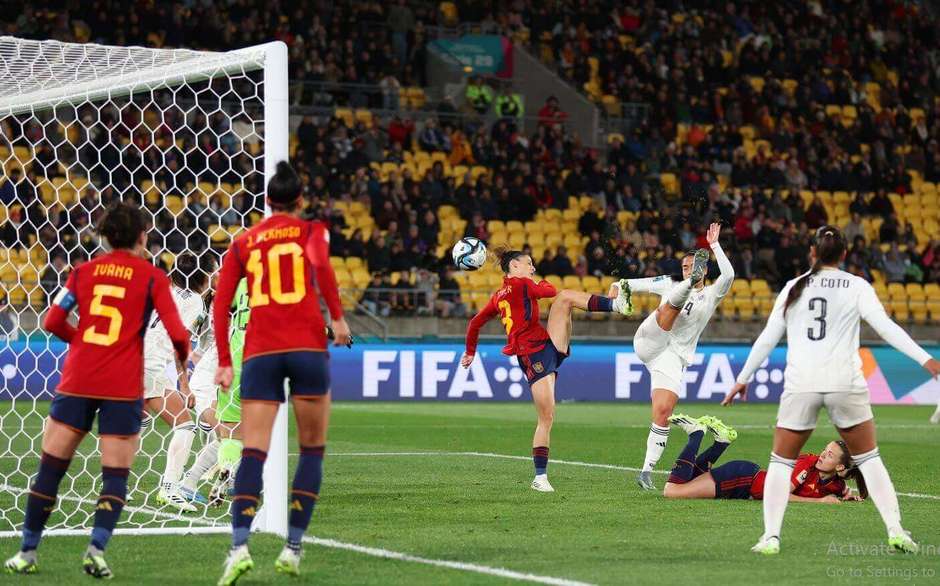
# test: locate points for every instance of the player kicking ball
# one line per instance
(815, 479)
(540, 351)
(285, 340)
(102, 378)
(665, 342)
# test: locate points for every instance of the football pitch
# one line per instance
(438, 493)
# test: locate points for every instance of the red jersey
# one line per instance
(115, 294)
(804, 481)
(517, 303)
(286, 260)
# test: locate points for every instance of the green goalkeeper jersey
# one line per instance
(229, 406)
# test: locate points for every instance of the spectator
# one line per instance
(895, 265)
(448, 301)
(551, 115)
(510, 106)
(425, 285)
(8, 189)
(547, 266)
(403, 299)
(479, 96)
(432, 139)
(53, 278)
(854, 228)
(376, 298)
(401, 21)
(563, 266)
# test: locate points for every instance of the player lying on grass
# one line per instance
(815, 479)
(287, 263)
(219, 411)
(190, 279)
(540, 351)
(102, 377)
(667, 338)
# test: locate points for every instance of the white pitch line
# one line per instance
(464, 566)
(564, 462)
(210, 527)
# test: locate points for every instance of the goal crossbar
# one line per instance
(55, 75)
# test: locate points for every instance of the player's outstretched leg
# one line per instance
(684, 469)
(205, 460)
(172, 410)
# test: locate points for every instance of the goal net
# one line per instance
(189, 136)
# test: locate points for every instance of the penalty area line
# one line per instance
(207, 527)
(463, 566)
(915, 495)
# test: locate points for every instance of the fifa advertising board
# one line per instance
(593, 372)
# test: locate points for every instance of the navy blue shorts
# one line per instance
(540, 364)
(263, 376)
(114, 417)
(733, 480)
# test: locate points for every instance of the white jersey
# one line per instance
(158, 349)
(694, 316)
(822, 328)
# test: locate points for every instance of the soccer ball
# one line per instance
(469, 254)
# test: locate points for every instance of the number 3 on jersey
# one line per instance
(289, 252)
(100, 309)
(507, 315)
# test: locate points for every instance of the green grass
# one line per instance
(598, 527)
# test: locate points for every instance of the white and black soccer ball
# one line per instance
(469, 253)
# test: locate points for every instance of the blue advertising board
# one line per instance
(594, 372)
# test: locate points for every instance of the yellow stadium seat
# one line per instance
(897, 291)
(571, 282)
(571, 215)
(494, 226)
(353, 262)
(592, 284)
(726, 310)
(346, 115)
(514, 226)
(915, 291)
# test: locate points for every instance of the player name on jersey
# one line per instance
(113, 270)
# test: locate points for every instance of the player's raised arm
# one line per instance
(56, 320)
(873, 312)
(774, 330)
(488, 312)
(317, 250)
(726, 276)
(170, 317)
(231, 273)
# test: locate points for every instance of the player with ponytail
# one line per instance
(540, 350)
(820, 313)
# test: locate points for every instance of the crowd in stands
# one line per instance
(763, 157)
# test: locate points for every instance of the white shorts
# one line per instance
(156, 382)
(650, 340)
(667, 371)
(202, 381)
(798, 411)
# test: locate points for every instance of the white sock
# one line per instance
(655, 446)
(177, 453)
(680, 293)
(776, 493)
(880, 489)
(206, 459)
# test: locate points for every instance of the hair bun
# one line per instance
(283, 168)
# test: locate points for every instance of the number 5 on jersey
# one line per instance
(270, 266)
(100, 309)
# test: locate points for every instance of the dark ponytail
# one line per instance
(830, 245)
(284, 189)
(503, 255)
(852, 472)
(122, 225)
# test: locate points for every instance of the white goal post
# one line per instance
(189, 135)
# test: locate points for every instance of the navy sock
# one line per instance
(110, 504)
(600, 303)
(42, 498)
(705, 460)
(305, 491)
(540, 458)
(684, 468)
(247, 495)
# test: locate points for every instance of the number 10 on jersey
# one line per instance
(269, 266)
